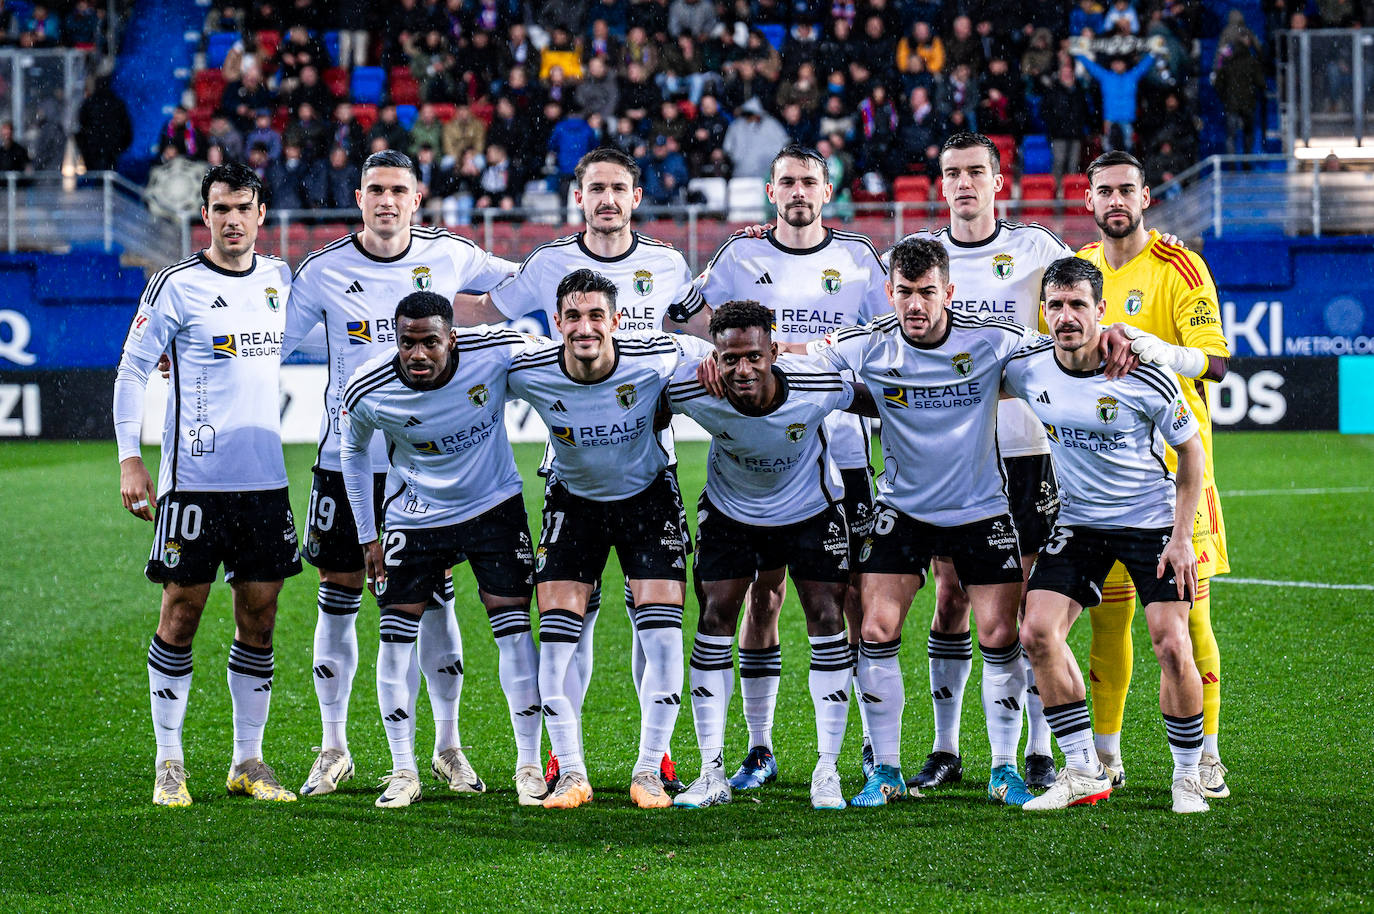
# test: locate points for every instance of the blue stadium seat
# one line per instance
(368, 85)
(217, 47)
(1036, 157)
(776, 35)
(407, 114)
(331, 46)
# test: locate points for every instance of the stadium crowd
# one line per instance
(494, 97)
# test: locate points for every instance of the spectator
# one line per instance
(1164, 164)
(684, 73)
(173, 184)
(878, 128)
(1176, 127)
(799, 127)
(601, 42)
(464, 186)
(923, 43)
(568, 15)
(1121, 11)
(743, 82)
(992, 42)
(461, 133)
(801, 47)
(244, 97)
(666, 177)
(614, 13)
(625, 137)
(964, 47)
(639, 49)
(506, 129)
(297, 51)
(599, 91)
(919, 137)
(310, 91)
(670, 122)
(837, 118)
(41, 28)
(499, 185)
(752, 140)
(916, 75)
(1039, 58)
(222, 134)
(181, 133)
(878, 48)
(839, 165)
(1064, 110)
(651, 16)
(837, 49)
(692, 17)
(638, 95)
(484, 16)
(346, 132)
(562, 52)
(104, 130)
(13, 155)
(351, 19)
(389, 130)
(1086, 17)
(1239, 82)
(481, 62)
(430, 179)
(342, 179)
(294, 183)
(311, 133)
(801, 90)
(518, 51)
(960, 93)
(1119, 86)
(427, 130)
(572, 138)
(717, 165)
(83, 28)
(1002, 99)
(264, 134)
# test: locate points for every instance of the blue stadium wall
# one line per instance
(1299, 312)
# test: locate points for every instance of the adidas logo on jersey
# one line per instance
(1044, 397)
(725, 436)
(764, 280)
(892, 373)
(219, 302)
(356, 287)
(558, 407)
(412, 422)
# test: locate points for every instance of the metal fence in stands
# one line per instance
(1326, 86)
(50, 82)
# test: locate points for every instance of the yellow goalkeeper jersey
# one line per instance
(1168, 291)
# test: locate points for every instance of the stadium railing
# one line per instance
(34, 80)
(51, 211)
(1326, 86)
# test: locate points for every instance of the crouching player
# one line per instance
(773, 500)
(1117, 503)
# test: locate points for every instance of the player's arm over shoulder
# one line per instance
(1197, 312)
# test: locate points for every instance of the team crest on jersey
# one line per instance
(359, 333)
(273, 299)
(479, 395)
(541, 556)
(1106, 409)
(626, 395)
(171, 554)
(830, 281)
(644, 282)
(420, 278)
(1135, 300)
(796, 431)
(963, 363)
(223, 346)
(1002, 266)
(564, 433)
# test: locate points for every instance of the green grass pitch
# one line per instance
(76, 753)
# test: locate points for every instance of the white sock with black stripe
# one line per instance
(336, 659)
(880, 683)
(169, 685)
(1073, 731)
(712, 680)
(581, 670)
(636, 649)
(951, 661)
(760, 671)
(1004, 695)
(398, 685)
(250, 692)
(660, 695)
(1185, 743)
(517, 665)
(559, 631)
(829, 678)
(1038, 739)
(440, 649)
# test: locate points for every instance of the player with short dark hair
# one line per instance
(453, 494)
(608, 487)
(1120, 503)
(995, 266)
(815, 280)
(350, 288)
(1164, 295)
(773, 501)
(220, 315)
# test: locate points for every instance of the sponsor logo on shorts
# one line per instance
(421, 279)
(830, 281)
(644, 282)
(1003, 266)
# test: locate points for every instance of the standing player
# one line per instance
(772, 502)
(608, 486)
(1119, 506)
(351, 286)
(452, 492)
(1168, 292)
(815, 280)
(656, 294)
(996, 267)
(220, 315)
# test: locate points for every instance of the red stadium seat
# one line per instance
(1038, 188)
(1006, 148)
(208, 86)
(911, 189)
(268, 42)
(281, 118)
(404, 89)
(365, 115)
(200, 116)
(336, 78)
(1075, 186)
(445, 112)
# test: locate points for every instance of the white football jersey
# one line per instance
(1108, 437)
(1000, 277)
(811, 292)
(649, 278)
(938, 404)
(223, 331)
(602, 434)
(449, 456)
(354, 295)
(774, 468)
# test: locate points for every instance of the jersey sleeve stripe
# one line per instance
(333, 245)
(545, 362)
(1087, 248)
(710, 265)
(1160, 380)
(1059, 242)
(361, 387)
(1180, 263)
(865, 241)
(159, 280)
(557, 242)
(1033, 350)
(686, 395)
